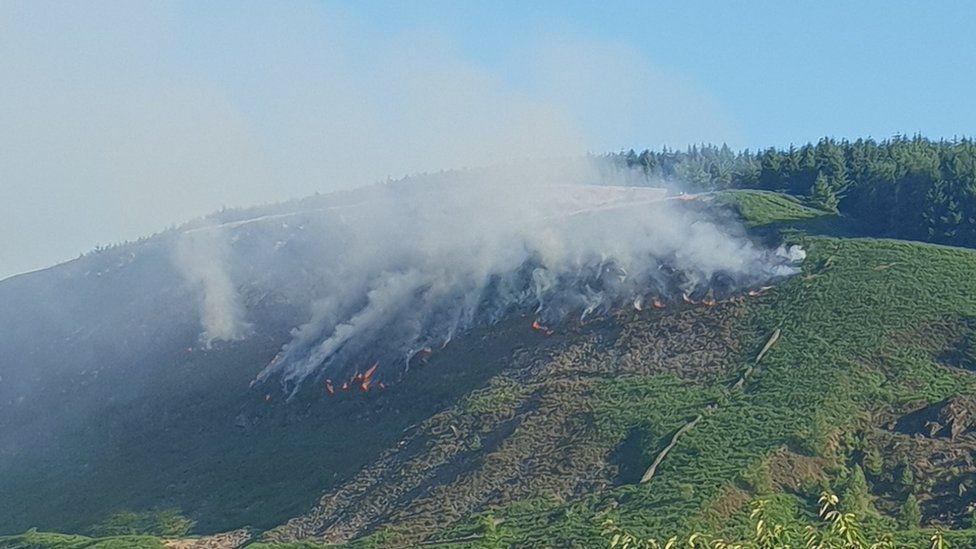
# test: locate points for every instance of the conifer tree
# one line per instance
(911, 513)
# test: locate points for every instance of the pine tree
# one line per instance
(911, 513)
(874, 463)
(856, 498)
(822, 194)
(907, 479)
(770, 175)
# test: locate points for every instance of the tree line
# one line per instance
(903, 187)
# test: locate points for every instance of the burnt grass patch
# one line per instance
(960, 350)
(536, 429)
(633, 454)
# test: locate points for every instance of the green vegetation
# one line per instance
(911, 513)
(164, 523)
(838, 530)
(123, 530)
(44, 540)
(766, 208)
(857, 499)
(903, 187)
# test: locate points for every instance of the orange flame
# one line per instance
(658, 304)
(369, 373)
(345, 386)
(710, 302)
(536, 325)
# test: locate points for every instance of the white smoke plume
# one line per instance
(400, 269)
(201, 256)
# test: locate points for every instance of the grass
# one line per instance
(46, 540)
(760, 208)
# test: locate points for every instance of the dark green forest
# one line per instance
(903, 187)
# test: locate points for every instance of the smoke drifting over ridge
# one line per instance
(127, 118)
(399, 269)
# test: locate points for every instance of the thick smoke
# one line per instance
(400, 269)
(201, 256)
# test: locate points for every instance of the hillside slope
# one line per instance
(872, 333)
(111, 398)
(512, 437)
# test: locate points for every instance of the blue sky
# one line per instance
(123, 118)
(783, 71)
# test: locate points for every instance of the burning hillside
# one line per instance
(402, 270)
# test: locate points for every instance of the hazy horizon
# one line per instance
(124, 119)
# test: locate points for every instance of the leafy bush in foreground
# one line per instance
(838, 530)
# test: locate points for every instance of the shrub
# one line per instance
(161, 522)
(836, 530)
